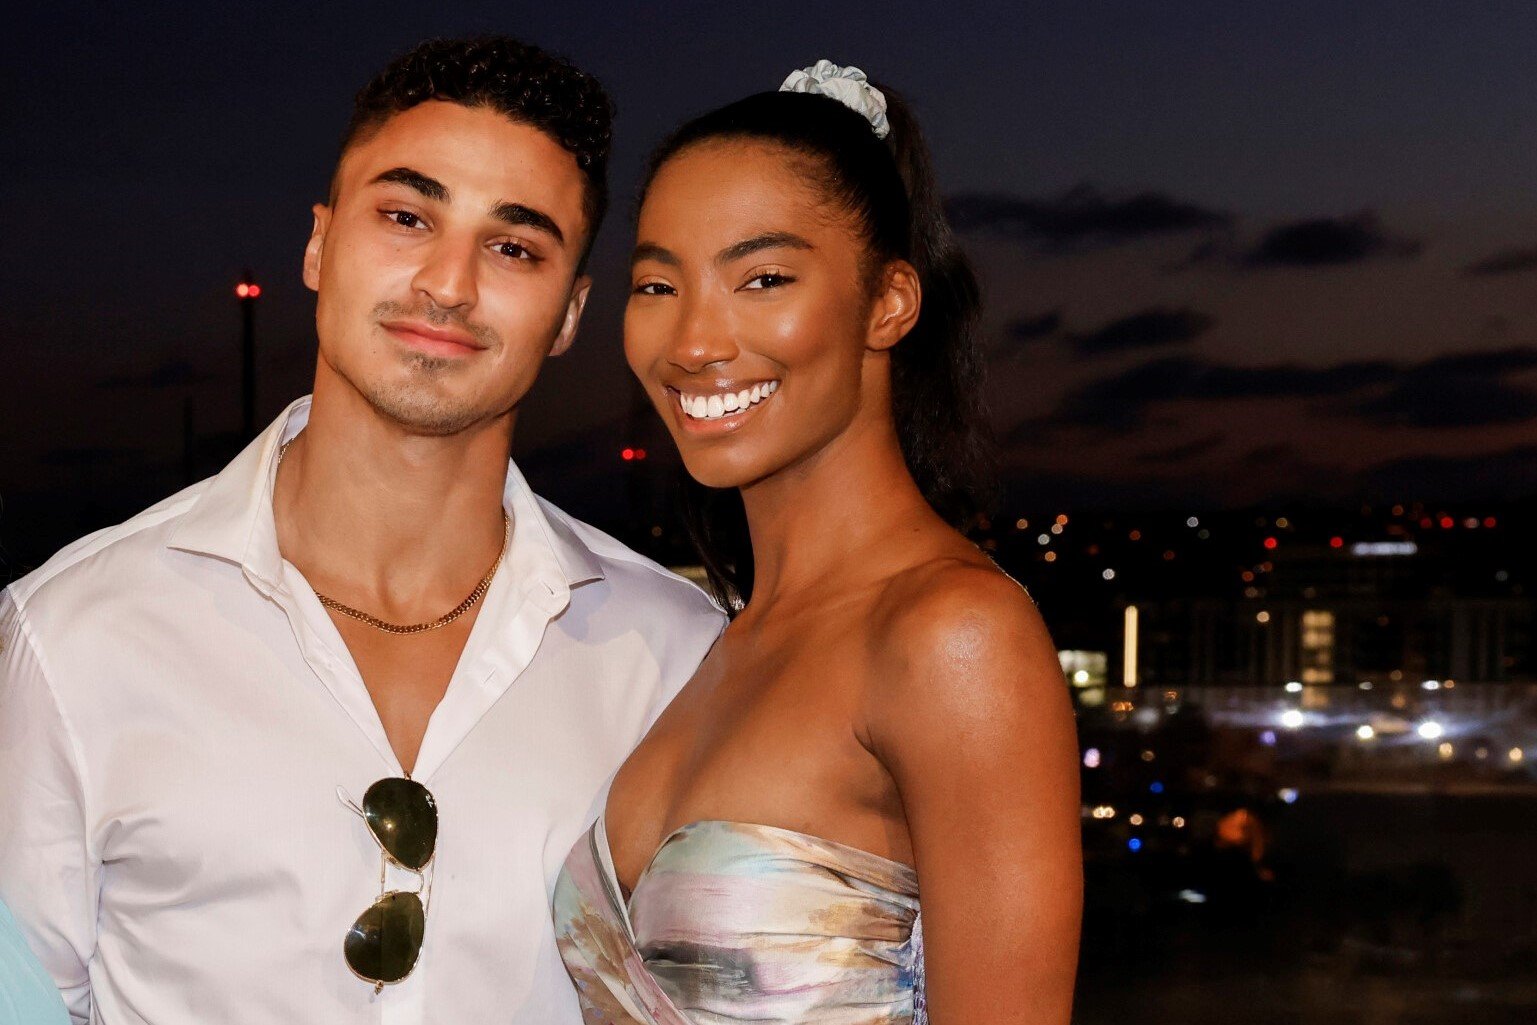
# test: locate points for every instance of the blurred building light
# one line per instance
(1050, 556)
(1288, 795)
(1430, 730)
(1091, 758)
(1179, 822)
(1056, 528)
(1155, 788)
(1445, 749)
(1365, 685)
(1129, 646)
(1271, 543)
(1136, 819)
(1192, 896)
(1365, 731)
(1193, 522)
(1292, 718)
(1294, 687)
(1336, 542)
(1267, 738)
(1108, 574)
(1262, 617)
(1044, 539)
(1379, 549)
(1516, 755)
(1134, 844)
(1021, 524)
(1431, 685)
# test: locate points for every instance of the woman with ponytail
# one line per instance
(863, 808)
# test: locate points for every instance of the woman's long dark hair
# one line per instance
(888, 189)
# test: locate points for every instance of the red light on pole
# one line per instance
(1447, 523)
(627, 454)
(246, 290)
(1336, 542)
(640, 453)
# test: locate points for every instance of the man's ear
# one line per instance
(896, 306)
(315, 247)
(574, 308)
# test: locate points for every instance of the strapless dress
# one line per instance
(734, 922)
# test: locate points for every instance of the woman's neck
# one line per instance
(835, 514)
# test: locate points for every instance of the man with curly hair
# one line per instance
(308, 741)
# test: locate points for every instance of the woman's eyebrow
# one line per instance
(766, 240)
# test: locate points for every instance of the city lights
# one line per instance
(1431, 685)
(1365, 731)
(1430, 730)
(1292, 719)
(246, 290)
(1288, 795)
(1103, 811)
(1294, 687)
(1091, 758)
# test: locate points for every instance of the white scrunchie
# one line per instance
(849, 86)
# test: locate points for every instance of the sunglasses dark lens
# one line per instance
(402, 815)
(384, 942)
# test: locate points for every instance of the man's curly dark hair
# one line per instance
(514, 78)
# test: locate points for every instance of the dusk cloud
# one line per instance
(1083, 218)
(1506, 261)
(1122, 400)
(1147, 329)
(1029, 329)
(1328, 241)
(1464, 390)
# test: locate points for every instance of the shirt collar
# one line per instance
(232, 519)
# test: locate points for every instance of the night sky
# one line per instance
(1234, 253)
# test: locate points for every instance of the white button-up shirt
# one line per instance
(177, 712)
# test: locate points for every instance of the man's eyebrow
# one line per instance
(767, 240)
(652, 251)
(431, 188)
(519, 216)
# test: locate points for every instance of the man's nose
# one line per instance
(447, 276)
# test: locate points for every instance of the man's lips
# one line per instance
(443, 341)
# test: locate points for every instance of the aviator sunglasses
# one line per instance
(383, 944)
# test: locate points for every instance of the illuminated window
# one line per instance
(1317, 646)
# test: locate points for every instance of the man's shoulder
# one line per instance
(134, 543)
(634, 578)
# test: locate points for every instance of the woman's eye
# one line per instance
(772, 279)
(404, 218)
(654, 288)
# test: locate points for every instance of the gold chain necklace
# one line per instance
(434, 624)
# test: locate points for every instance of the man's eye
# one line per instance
(404, 218)
(655, 288)
(513, 251)
(769, 280)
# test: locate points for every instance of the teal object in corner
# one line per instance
(27, 995)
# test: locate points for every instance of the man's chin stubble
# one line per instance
(416, 408)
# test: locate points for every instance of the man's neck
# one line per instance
(398, 522)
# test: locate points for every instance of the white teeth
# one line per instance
(713, 407)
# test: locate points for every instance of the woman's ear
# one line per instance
(896, 305)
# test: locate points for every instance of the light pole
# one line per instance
(247, 293)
